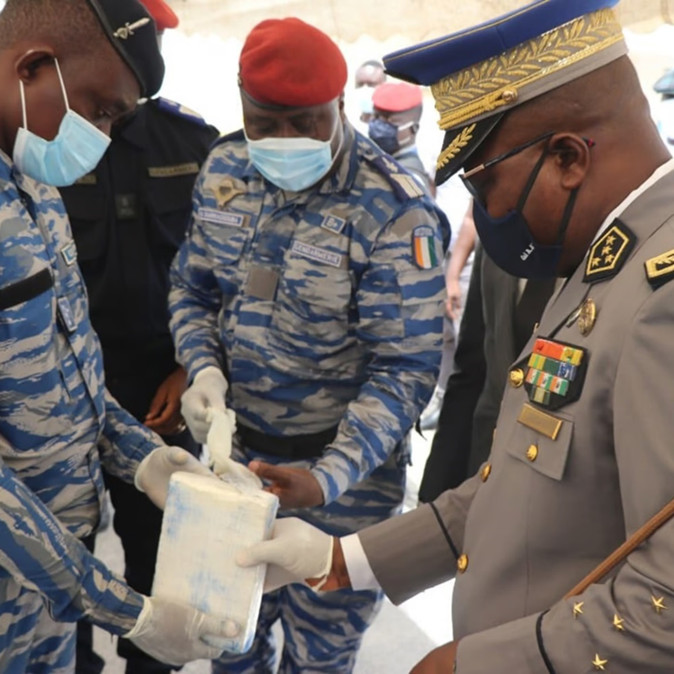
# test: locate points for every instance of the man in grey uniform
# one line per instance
(544, 111)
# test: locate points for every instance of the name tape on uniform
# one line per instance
(318, 254)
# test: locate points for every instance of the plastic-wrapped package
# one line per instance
(206, 521)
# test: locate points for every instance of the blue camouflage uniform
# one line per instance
(57, 425)
(324, 310)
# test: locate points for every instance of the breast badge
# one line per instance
(555, 373)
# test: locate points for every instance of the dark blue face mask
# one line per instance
(508, 241)
(384, 134)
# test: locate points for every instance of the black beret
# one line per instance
(133, 34)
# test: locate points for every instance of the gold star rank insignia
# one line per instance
(609, 252)
(658, 604)
(618, 623)
(660, 269)
(578, 609)
(598, 663)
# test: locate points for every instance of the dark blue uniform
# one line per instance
(128, 219)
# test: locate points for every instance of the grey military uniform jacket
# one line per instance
(534, 522)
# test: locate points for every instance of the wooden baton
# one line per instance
(619, 554)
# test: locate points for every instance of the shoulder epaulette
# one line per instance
(609, 253)
(179, 110)
(234, 135)
(405, 186)
(660, 269)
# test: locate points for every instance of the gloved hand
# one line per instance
(155, 470)
(207, 390)
(296, 551)
(176, 633)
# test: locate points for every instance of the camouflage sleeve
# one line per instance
(125, 441)
(194, 300)
(43, 557)
(399, 302)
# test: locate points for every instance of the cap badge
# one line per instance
(127, 30)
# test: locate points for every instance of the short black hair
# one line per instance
(70, 25)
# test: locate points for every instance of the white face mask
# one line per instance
(74, 152)
(293, 164)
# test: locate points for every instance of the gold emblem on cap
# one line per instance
(618, 623)
(598, 663)
(578, 609)
(478, 90)
(509, 96)
(587, 316)
(462, 563)
(532, 453)
(128, 29)
(459, 142)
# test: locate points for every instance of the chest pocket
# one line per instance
(33, 404)
(86, 207)
(169, 201)
(311, 315)
(542, 441)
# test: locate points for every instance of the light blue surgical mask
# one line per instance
(76, 150)
(292, 163)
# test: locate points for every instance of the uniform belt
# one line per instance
(307, 446)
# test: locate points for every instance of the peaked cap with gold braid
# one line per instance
(478, 74)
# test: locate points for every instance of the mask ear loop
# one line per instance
(63, 86)
(532, 179)
(23, 105)
(566, 216)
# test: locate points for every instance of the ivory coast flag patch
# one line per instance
(423, 247)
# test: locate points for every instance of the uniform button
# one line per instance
(486, 472)
(532, 453)
(516, 377)
(462, 563)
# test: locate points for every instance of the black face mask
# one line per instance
(384, 134)
(508, 241)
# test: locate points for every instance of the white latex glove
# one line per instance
(208, 390)
(219, 441)
(176, 633)
(296, 551)
(155, 470)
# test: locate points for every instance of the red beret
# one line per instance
(162, 14)
(290, 63)
(396, 96)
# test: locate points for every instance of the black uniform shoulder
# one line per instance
(175, 113)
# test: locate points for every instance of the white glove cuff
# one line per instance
(328, 566)
(143, 617)
(141, 468)
(212, 371)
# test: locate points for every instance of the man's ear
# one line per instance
(573, 158)
(28, 64)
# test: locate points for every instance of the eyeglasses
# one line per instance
(466, 175)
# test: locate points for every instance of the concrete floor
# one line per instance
(399, 637)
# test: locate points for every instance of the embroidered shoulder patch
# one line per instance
(424, 250)
(660, 269)
(609, 253)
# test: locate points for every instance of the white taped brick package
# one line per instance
(205, 523)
